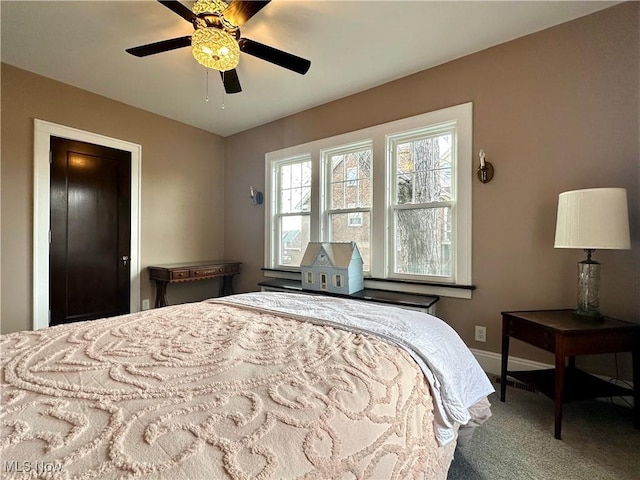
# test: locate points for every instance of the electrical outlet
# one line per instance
(481, 334)
(145, 304)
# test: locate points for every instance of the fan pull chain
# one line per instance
(223, 90)
(207, 96)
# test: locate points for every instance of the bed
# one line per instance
(250, 386)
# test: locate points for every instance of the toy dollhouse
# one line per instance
(332, 267)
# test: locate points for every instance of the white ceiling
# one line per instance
(352, 45)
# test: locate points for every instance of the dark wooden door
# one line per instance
(90, 231)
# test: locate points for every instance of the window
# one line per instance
(346, 175)
(292, 180)
(401, 191)
(422, 201)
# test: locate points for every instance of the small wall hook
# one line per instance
(485, 170)
(256, 196)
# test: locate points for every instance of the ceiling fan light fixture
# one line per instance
(215, 49)
(209, 6)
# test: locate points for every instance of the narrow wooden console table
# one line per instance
(163, 275)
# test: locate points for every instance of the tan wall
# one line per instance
(181, 194)
(554, 111)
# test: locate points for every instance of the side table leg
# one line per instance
(505, 361)
(635, 364)
(559, 386)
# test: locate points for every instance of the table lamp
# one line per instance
(592, 219)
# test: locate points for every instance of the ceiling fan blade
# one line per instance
(177, 7)
(231, 81)
(159, 47)
(239, 12)
(275, 56)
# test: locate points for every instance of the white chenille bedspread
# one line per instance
(244, 387)
(456, 379)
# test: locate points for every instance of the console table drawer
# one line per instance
(205, 272)
(179, 274)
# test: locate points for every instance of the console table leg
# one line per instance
(161, 294)
(226, 286)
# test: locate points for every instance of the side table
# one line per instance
(565, 335)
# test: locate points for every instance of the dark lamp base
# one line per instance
(587, 314)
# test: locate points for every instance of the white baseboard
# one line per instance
(492, 364)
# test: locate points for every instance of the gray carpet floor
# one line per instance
(599, 442)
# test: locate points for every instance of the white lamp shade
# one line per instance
(595, 218)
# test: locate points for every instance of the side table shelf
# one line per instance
(578, 384)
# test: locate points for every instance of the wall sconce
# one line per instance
(256, 196)
(485, 170)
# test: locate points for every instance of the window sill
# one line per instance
(441, 290)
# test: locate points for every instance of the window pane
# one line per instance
(295, 187)
(338, 195)
(337, 168)
(294, 237)
(285, 177)
(296, 175)
(285, 201)
(304, 195)
(423, 245)
(423, 170)
(353, 227)
(350, 179)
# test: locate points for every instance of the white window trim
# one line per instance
(377, 135)
(271, 205)
(392, 141)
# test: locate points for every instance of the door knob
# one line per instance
(125, 259)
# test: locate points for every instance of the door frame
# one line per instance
(43, 131)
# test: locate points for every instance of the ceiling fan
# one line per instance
(216, 42)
